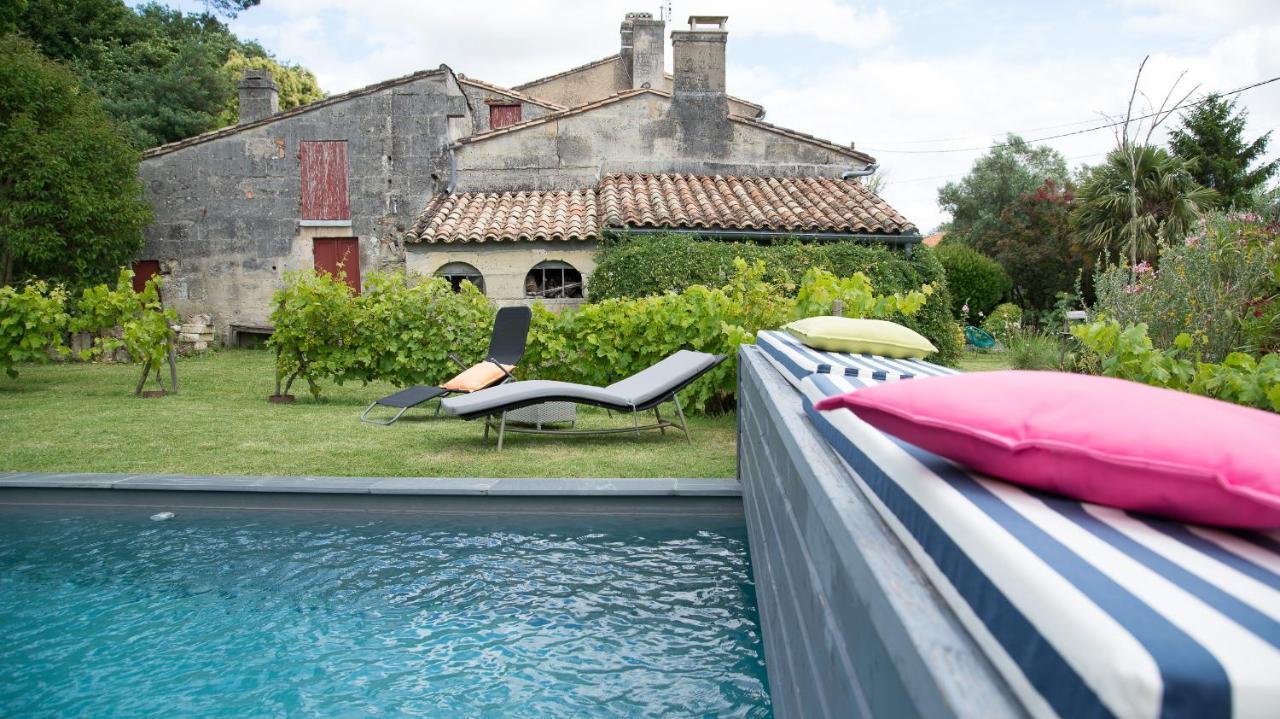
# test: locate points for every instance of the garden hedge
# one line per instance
(649, 265)
(974, 280)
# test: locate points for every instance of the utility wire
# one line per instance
(1237, 91)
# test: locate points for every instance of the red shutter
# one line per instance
(144, 270)
(503, 115)
(338, 253)
(324, 180)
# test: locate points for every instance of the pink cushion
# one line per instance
(1101, 440)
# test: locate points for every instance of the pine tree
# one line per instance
(1212, 135)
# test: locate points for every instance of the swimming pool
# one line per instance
(105, 612)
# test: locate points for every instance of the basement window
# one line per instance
(458, 272)
(553, 279)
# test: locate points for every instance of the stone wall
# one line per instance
(581, 85)
(504, 265)
(852, 627)
(227, 205)
(481, 97)
(645, 132)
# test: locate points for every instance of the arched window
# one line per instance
(457, 272)
(553, 279)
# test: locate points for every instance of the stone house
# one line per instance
(510, 188)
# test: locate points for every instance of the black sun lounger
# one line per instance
(506, 347)
(640, 392)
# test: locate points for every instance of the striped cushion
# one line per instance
(796, 361)
(1086, 610)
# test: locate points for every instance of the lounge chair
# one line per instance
(640, 392)
(506, 347)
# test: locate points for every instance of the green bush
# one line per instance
(1220, 286)
(1033, 350)
(1003, 320)
(402, 329)
(120, 317)
(31, 324)
(652, 265)
(1126, 352)
(977, 283)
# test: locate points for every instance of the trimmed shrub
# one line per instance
(652, 265)
(1003, 320)
(974, 280)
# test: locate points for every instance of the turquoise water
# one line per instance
(104, 613)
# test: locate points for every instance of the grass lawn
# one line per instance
(984, 361)
(83, 418)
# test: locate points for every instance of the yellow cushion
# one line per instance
(876, 337)
(476, 377)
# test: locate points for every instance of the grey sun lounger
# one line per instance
(640, 392)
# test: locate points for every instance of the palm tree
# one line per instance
(1110, 215)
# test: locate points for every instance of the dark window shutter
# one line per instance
(334, 254)
(503, 115)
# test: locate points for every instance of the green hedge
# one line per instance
(974, 280)
(650, 265)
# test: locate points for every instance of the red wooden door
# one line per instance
(503, 115)
(338, 254)
(324, 180)
(144, 270)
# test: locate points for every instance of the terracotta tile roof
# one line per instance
(514, 94)
(291, 112)
(508, 216)
(780, 205)
(934, 239)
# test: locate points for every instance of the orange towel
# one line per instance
(476, 377)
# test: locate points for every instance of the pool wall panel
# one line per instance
(852, 628)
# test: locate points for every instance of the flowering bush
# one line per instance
(1219, 286)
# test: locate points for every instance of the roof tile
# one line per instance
(666, 201)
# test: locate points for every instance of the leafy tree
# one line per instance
(298, 86)
(997, 179)
(162, 74)
(71, 205)
(1212, 136)
(1169, 202)
(1038, 249)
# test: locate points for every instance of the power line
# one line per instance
(1237, 91)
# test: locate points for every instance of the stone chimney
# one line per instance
(259, 97)
(643, 49)
(698, 98)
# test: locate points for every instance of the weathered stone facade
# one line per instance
(231, 206)
(227, 204)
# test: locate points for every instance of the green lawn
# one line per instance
(83, 418)
(984, 361)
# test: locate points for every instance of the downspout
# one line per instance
(864, 172)
(453, 171)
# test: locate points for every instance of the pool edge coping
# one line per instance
(417, 486)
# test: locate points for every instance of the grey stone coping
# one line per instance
(619, 487)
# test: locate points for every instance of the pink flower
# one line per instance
(1194, 241)
(1132, 289)
(1142, 267)
(965, 308)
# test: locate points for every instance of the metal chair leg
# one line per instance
(635, 422)
(657, 416)
(502, 428)
(364, 416)
(684, 424)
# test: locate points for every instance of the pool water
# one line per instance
(107, 613)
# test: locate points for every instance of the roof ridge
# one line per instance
(468, 80)
(625, 94)
(570, 71)
(805, 137)
(291, 112)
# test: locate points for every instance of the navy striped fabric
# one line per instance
(796, 361)
(1086, 610)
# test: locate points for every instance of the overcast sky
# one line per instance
(889, 76)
